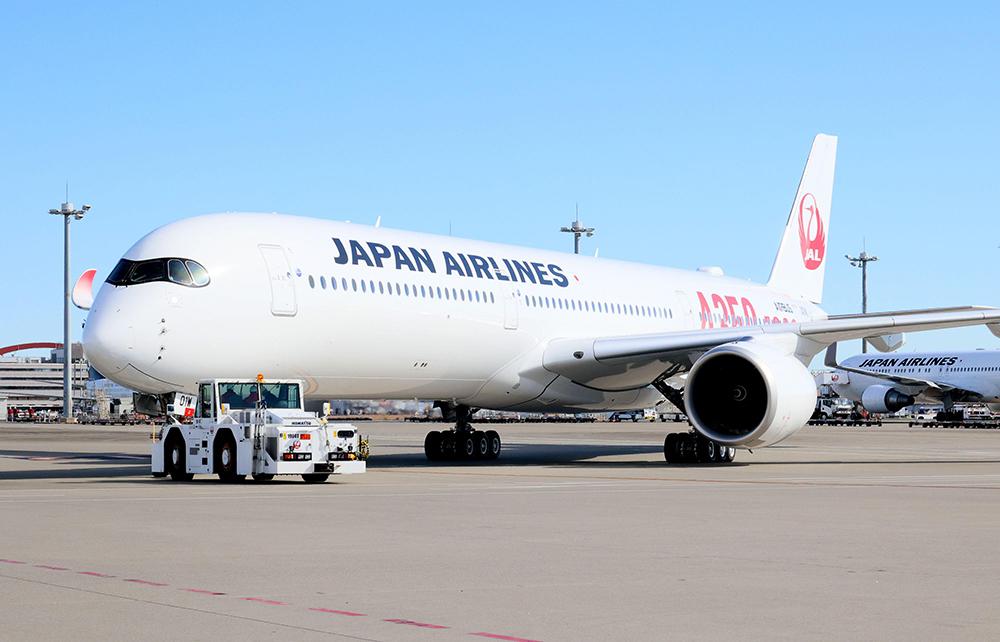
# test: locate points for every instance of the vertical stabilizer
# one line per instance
(801, 261)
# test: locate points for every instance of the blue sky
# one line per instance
(680, 129)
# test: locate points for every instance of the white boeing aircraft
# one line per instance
(367, 312)
(884, 383)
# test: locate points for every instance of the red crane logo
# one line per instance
(812, 236)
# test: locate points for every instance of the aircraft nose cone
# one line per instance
(106, 342)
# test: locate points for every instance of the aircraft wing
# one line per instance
(632, 361)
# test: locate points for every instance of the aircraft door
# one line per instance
(685, 310)
(510, 308)
(279, 275)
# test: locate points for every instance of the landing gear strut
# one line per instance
(464, 443)
(690, 448)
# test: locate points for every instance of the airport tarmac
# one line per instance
(579, 532)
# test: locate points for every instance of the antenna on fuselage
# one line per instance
(378, 221)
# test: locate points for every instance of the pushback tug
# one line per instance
(241, 427)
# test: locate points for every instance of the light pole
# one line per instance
(862, 261)
(68, 212)
(577, 230)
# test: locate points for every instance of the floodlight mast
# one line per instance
(577, 230)
(862, 261)
(68, 212)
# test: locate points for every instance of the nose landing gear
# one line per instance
(691, 448)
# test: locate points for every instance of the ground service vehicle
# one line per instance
(254, 427)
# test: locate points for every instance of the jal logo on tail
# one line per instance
(812, 236)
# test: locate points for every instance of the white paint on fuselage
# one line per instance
(356, 343)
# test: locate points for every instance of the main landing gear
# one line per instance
(691, 448)
(464, 443)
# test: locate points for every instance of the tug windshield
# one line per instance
(241, 396)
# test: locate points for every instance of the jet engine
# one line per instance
(880, 398)
(748, 394)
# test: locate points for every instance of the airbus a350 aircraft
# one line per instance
(366, 312)
(887, 383)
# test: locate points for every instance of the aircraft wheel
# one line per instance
(315, 478)
(670, 448)
(432, 445)
(729, 455)
(482, 445)
(493, 439)
(705, 450)
(465, 446)
(262, 477)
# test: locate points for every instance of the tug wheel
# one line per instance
(176, 463)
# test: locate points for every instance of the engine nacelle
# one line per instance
(880, 398)
(748, 395)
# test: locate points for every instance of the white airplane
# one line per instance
(887, 383)
(368, 312)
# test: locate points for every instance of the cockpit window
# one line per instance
(176, 270)
(146, 271)
(199, 273)
(178, 273)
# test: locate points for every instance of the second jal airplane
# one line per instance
(367, 312)
(887, 383)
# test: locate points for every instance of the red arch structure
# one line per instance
(29, 346)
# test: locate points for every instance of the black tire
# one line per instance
(315, 478)
(432, 445)
(729, 455)
(176, 460)
(494, 443)
(160, 475)
(465, 446)
(670, 448)
(447, 445)
(262, 477)
(705, 450)
(225, 459)
(482, 445)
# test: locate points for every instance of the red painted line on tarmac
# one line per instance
(509, 638)
(147, 582)
(336, 612)
(264, 601)
(13, 562)
(51, 568)
(423, 625)
(202, 591)
(94, 574)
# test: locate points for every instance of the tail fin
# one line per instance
(801, 261)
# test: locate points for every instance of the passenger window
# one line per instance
(312, 281)
(178, 273)
(322, 282)
(333, 283)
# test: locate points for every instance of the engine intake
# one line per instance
(746, 394)
(880, 398)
